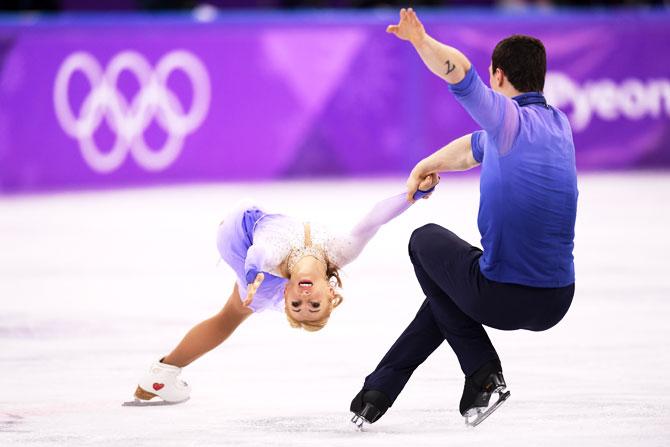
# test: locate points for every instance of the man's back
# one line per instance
(528, 186)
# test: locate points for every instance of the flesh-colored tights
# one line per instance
(210, 333)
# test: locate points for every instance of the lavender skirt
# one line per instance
(234, 237)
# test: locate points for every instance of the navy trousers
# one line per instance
(459, 300)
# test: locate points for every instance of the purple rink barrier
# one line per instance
(108, 101)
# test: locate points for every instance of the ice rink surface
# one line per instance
(95, 286)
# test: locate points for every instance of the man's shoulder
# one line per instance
(543, 116)
(558, 112)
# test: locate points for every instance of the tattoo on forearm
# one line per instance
(450, 67)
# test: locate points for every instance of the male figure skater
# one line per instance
(524, 277)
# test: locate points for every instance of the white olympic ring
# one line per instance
(129, 119)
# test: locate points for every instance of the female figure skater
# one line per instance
(280, 263)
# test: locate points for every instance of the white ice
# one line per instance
(95, 286)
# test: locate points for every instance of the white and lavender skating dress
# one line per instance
(251, 241)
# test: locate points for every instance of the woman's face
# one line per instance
(308, 296)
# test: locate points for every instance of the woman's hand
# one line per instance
(418, 180)
(409, 27)
(252, 289)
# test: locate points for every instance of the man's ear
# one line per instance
(500, 77)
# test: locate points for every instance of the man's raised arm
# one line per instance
(445, 61)
(493, 111)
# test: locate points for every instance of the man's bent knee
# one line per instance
(423, 234)
(422, 238)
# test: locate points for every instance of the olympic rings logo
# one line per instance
(129, 119)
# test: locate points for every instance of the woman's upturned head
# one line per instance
(310, 294)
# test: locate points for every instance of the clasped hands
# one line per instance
(420, 181)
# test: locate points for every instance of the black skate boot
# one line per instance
(368, 406)
(478, 390)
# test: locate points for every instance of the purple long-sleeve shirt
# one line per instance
(528, 185)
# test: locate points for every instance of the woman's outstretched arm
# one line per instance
(381, 213)
(210, 333)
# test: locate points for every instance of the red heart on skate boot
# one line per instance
(158, 386)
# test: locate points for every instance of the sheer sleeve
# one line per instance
(347, 248)
(497, 114)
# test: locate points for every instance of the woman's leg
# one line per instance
(210, 333)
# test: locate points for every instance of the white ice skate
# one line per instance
(160, 385)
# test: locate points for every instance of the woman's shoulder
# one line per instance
(274, 237)
(336, 244)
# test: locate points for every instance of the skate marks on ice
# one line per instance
(11, 423)
(400, 422)
(21, 326)
(319, 423)
(150, 403)
(14, 325)
(339, 424)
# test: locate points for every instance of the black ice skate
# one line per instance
(368, 406)
(478, 390)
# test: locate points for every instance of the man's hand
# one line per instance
(252, 288)
(446, 62)
(420, 181)
(409, 27)
(428, 182)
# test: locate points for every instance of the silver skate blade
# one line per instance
(480, 416)
(358, 421)
(151, 403)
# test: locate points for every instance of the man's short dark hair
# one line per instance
(523, 60)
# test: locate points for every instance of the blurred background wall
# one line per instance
(120, 93)
(106, 5)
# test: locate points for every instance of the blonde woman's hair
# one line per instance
(333, 275)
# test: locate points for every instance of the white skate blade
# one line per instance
(480, 416)
(151, 403)
(358, 421)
